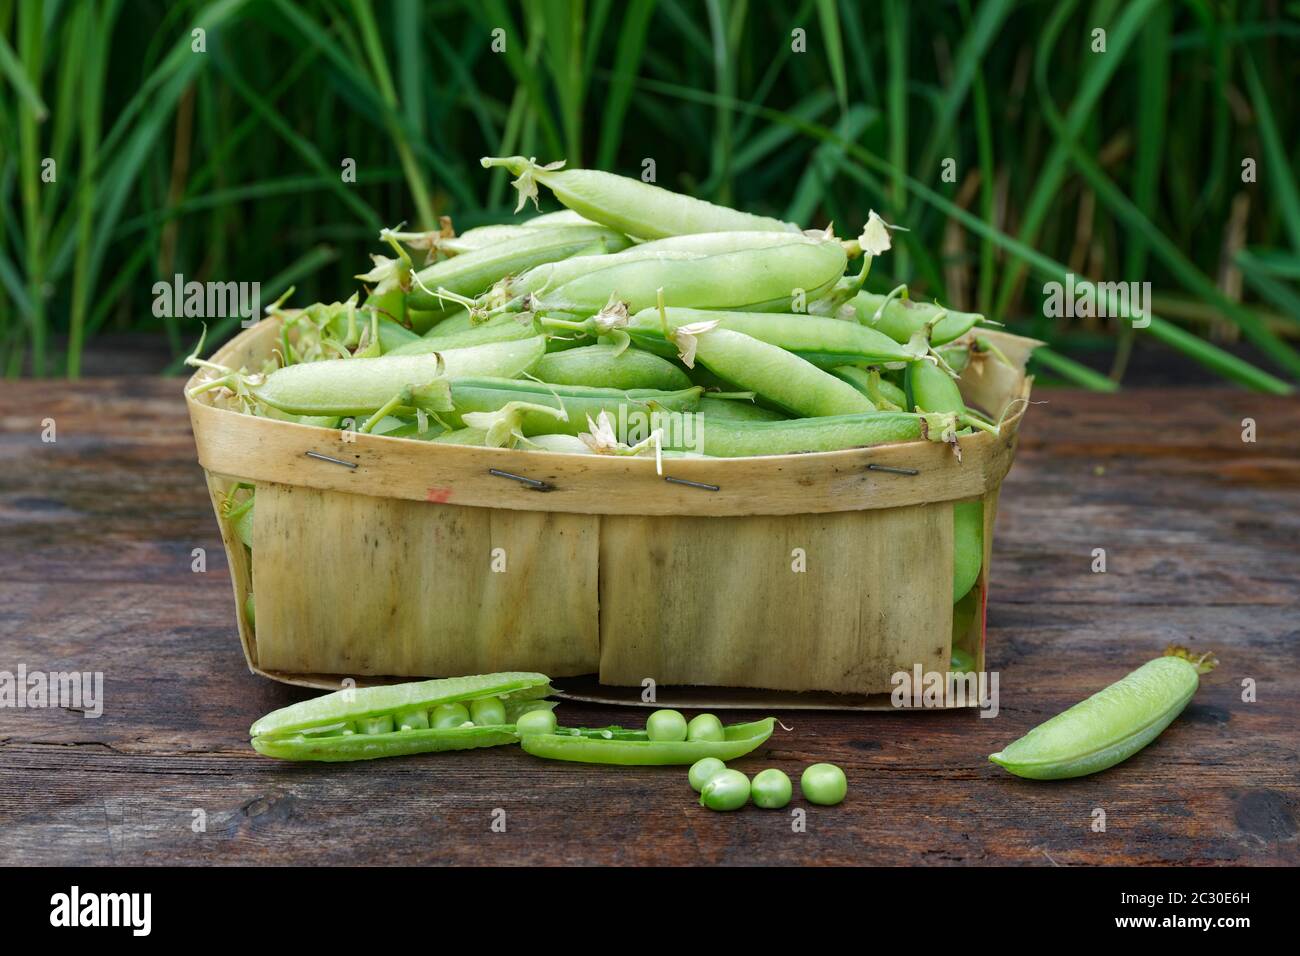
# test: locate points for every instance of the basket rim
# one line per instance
(261, 449)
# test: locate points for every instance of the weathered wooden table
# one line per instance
(1201, 533)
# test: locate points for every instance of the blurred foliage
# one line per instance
(225, 163)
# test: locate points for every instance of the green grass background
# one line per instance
(225, 165)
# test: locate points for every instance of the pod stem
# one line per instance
(526, 169)
(1204, 663)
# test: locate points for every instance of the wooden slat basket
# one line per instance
(799, 580)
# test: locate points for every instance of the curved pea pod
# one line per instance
(579, 402)
(930, 388)
(611, 367)
(360, 386)
(629, 205)
(1112, 724)
(761, 280)
(900, 319)
(326, 728)
(474, 272)
(824, 342)
(967, 546)
(502, 328)
(632, 748)
(737, 439)
(770, 371)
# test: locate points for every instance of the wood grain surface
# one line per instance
(1200, 532)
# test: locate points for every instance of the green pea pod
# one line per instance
(611, 367)
(323, 728)
(772, 372)
(473, 273)
(900, 318)
(1112, 724)
(737, 410)
(930, 388)
(824, 342)
(884, 395)
(243, 519)
(423, 320)
(393, 336)
(550, 275)
(967, 546)
(457, 320)
(503, 328)
(481, 237)
(629, 205)
(360, 386)
(391, 306)
(738, 439)
(578, 401)
(632, 748)
(759, 280)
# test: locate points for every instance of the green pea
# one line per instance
(702, 771)
(535, 722)
(824, 784)
(725, 790)
(771, 789)
(375, 725)
(488, 712)
(705, 727)
(413, 720)
(666, 725)
(449, 715)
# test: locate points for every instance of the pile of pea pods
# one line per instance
(541, 335)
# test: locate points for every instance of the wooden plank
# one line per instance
(95, 572)
(717, 601)
(358, 585)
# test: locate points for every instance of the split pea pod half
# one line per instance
(360, 386)
(474, 272)
(370, 722)
(634, 748)
(1111, 725)
(901, 318)
(740, 439)
(629, 205)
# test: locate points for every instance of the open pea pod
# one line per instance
(365, 723)
(633, 748)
